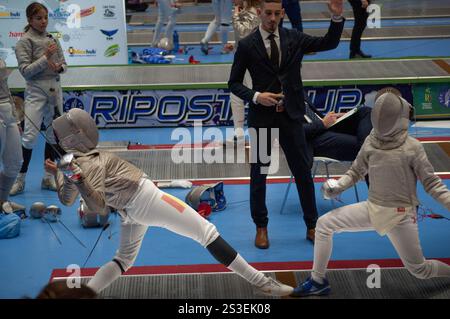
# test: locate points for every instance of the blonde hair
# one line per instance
(32, 10)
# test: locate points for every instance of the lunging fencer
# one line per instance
(41, 61)
(10, 150)
(394, 162)
(105, 180)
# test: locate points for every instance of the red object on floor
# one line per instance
(204, 210)
(192, 60)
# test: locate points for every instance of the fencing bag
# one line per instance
(9, 225)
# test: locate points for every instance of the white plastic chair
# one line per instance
(316, 161)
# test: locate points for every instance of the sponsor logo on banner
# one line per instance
(13, 34)
(112, 50)
(81, 52)
(109, 33)
(109, 12)
(9, 15)
(59, 14)
(87, 12)
(444, 98)
(72, 103)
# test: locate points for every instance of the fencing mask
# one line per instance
(390, 115)
(76, 131)
(210, 194)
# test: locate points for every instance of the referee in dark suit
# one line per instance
(273, 56)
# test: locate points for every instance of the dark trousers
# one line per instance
(292, 141)
(361, 16)
(294, 13)
(344, 140)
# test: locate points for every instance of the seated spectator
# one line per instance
(341, 141)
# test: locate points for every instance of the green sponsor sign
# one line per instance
(432, 100)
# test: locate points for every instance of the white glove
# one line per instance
(68, 165)
(330, 189)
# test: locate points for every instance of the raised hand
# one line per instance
(336, 7)
(51, 49)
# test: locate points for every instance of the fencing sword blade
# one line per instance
(81, 243)
(48, 223)
(95, 245)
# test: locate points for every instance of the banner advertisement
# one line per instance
(345, 98)
(160, 108)
(432, 101)
(90, 32)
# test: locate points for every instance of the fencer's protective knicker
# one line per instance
(152, 207)
(43, 101)
(355, 218)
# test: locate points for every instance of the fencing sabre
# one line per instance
(59, 240)
(95, 245)
(60, 221)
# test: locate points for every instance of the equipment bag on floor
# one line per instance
(9, 225)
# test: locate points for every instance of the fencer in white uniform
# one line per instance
(394, 162)
(10, 148)
(167, 12)
(222, 17)
(244, 22)
(41, 61)
(105, 180)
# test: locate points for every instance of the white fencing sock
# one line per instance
(243, 269)
(105, 276)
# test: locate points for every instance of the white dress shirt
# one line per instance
(265, 36)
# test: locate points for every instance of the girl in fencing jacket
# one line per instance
(105, 180)
(394, 162)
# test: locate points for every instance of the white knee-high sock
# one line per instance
(243, 269)
(105, 276)
(323, 246)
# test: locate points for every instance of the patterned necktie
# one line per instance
(274, 54)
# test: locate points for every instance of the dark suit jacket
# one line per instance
(251, 55)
